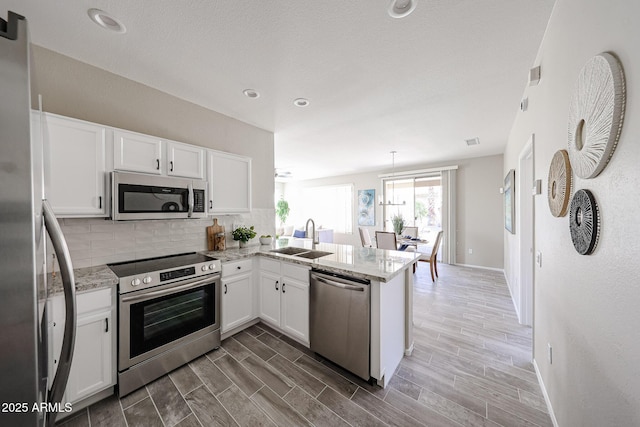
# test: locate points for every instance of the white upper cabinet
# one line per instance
(75, 166)
(137, 153)
(229, 177)
(185, 160)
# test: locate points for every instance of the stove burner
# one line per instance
(148, 265)
(146, 273)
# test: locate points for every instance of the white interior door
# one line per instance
(524, 229)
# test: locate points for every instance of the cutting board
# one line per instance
(215, 236)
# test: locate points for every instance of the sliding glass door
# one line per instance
(419, 201)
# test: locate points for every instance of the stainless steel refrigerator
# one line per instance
(25, 216)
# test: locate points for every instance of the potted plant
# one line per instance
(398, 223)
(282, 210)
(243, 234)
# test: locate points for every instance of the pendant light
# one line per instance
(393, 184)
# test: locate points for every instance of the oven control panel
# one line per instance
(162, 277)
(176, 274)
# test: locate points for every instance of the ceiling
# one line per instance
(421, 85)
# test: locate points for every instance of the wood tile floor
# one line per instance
(470, 367)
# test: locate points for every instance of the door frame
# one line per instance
(525, 232)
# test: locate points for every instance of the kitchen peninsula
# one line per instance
(390, 274)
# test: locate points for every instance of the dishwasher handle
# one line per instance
(339, 285)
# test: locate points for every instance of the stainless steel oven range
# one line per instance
(169, 314)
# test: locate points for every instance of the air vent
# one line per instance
(472, 141)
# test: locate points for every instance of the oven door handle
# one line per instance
(191, 202)
(171, 290)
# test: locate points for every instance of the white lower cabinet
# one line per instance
(284, 297)
(237, 294)
(93, 364)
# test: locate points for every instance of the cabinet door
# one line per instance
(295, 308)
(236, 301)
(229, 179)
(91, 365)
(55, 314)
(185, 160)
(137, 153)
(270, 297)
(75, 166)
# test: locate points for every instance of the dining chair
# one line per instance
(387, 240)
(410, 231)
(365, 238)
(433, 258)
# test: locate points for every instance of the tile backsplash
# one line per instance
(95, 241)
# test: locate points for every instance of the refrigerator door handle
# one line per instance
(68, 282)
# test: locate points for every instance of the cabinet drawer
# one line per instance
(236, 267)
(270, 265)
(94, 300)
(295, 272)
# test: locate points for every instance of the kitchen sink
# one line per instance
(289, 250)
(301, 252)
(313, 254)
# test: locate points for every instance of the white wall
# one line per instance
(586, 307)
(479, 207)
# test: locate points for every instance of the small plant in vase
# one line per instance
(398, 223)
(243, 234)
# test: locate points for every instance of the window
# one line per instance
(418, 200)
(330, 207)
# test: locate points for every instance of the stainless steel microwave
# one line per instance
(137, 196)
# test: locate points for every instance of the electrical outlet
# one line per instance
(470, 251)
(550, 353)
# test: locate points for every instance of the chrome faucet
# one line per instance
(313, 232)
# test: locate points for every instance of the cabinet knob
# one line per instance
(225, 289)
(283, 288)
(158, 164)
(171, 165)
(277, 281)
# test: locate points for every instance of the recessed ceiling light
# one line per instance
(251, 93)
(401, 8)
(301, 102)
(107, 21)
(472, 141)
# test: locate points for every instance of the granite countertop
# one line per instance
(367, 263)
(87, 279)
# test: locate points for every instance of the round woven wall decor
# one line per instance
(559, 188)
(596, 114)
(584, 222)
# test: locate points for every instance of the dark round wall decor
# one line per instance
(584, 222)
(559, 189)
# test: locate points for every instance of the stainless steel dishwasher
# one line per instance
(339, 320)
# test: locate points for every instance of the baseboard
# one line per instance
(501, 270)
(545, 394)
(409, 351)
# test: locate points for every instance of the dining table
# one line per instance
(411, 241)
